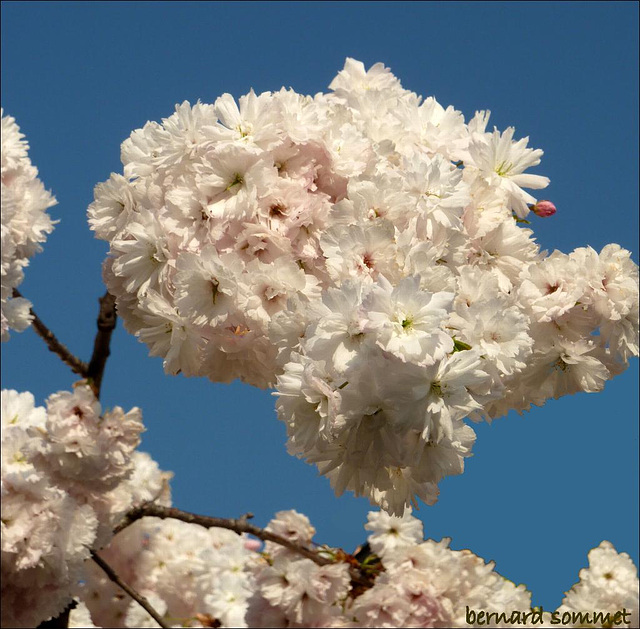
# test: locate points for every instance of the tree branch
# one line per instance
(107, 318)
(77, 366)
(141, 600)
(239, 525)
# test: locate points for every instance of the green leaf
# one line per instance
(459, 346)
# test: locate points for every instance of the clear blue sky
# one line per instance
(541, 489)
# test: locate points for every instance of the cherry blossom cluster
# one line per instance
(25, 223)
(69, 473)
(194, 577)
(190, 575)
(363, 251)
(200, 578)
(608, 585)
(426, 584)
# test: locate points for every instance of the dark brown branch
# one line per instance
(106, 324)
(239, 525)
(77, 366)
(141, 600)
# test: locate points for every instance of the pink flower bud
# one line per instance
(252, 544)
(544, 208)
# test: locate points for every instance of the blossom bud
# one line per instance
(543, 208)
(253, 544)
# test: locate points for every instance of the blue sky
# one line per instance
(542, 489)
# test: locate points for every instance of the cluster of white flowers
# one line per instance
(427, 584)
(360, 251)
(194, 577)
(188, 573)
(25, 223)
(417, 584)
(290, 590)
(200, 578)
(608, 586)
(68, 475)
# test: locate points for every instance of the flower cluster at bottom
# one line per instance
(215, 578)
(71, 476)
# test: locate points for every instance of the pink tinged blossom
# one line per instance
(551, 288)
(381, 606)
(360, 251)
(83, 450)
(253, 544)
(301, 589)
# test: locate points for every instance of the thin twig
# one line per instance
(77, 366)
(141, 600)
(239, 525)
(106, 324)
